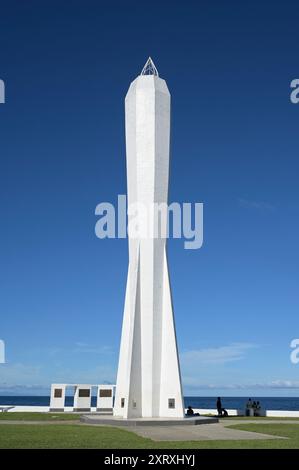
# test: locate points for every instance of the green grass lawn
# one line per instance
(289, 430)
(27, 416)
(20, 436)
(68, 436)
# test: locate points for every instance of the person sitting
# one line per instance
(257, 409)
(190, 412)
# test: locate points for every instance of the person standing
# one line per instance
(248, 407)
(219, 406)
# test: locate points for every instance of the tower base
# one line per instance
(115, 421)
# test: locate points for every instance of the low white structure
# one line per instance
(105, 397)
(82, 398)
(57, 398)
(242, 412)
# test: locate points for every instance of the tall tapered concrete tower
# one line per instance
(148, 379)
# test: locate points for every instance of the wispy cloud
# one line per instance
(91, 349)
(76, 348)
(258, 205)
(17, 377)
(279, 384)
(20, 378)
(100, 374)
(197, 364)
(193, 383)
(21, 373)
(24, 389)
(218, 355)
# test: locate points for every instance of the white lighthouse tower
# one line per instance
(148, 379)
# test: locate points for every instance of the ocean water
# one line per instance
(268, 403)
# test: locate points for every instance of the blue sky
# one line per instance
(67, 67)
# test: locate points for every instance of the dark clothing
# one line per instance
(190, 412)
(219, 407)
(221, 411)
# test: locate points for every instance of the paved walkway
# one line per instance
(218, 431)
(204, 432)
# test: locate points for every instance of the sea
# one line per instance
(268, 403)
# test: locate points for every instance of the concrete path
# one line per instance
(214, 432)
(205, 432)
